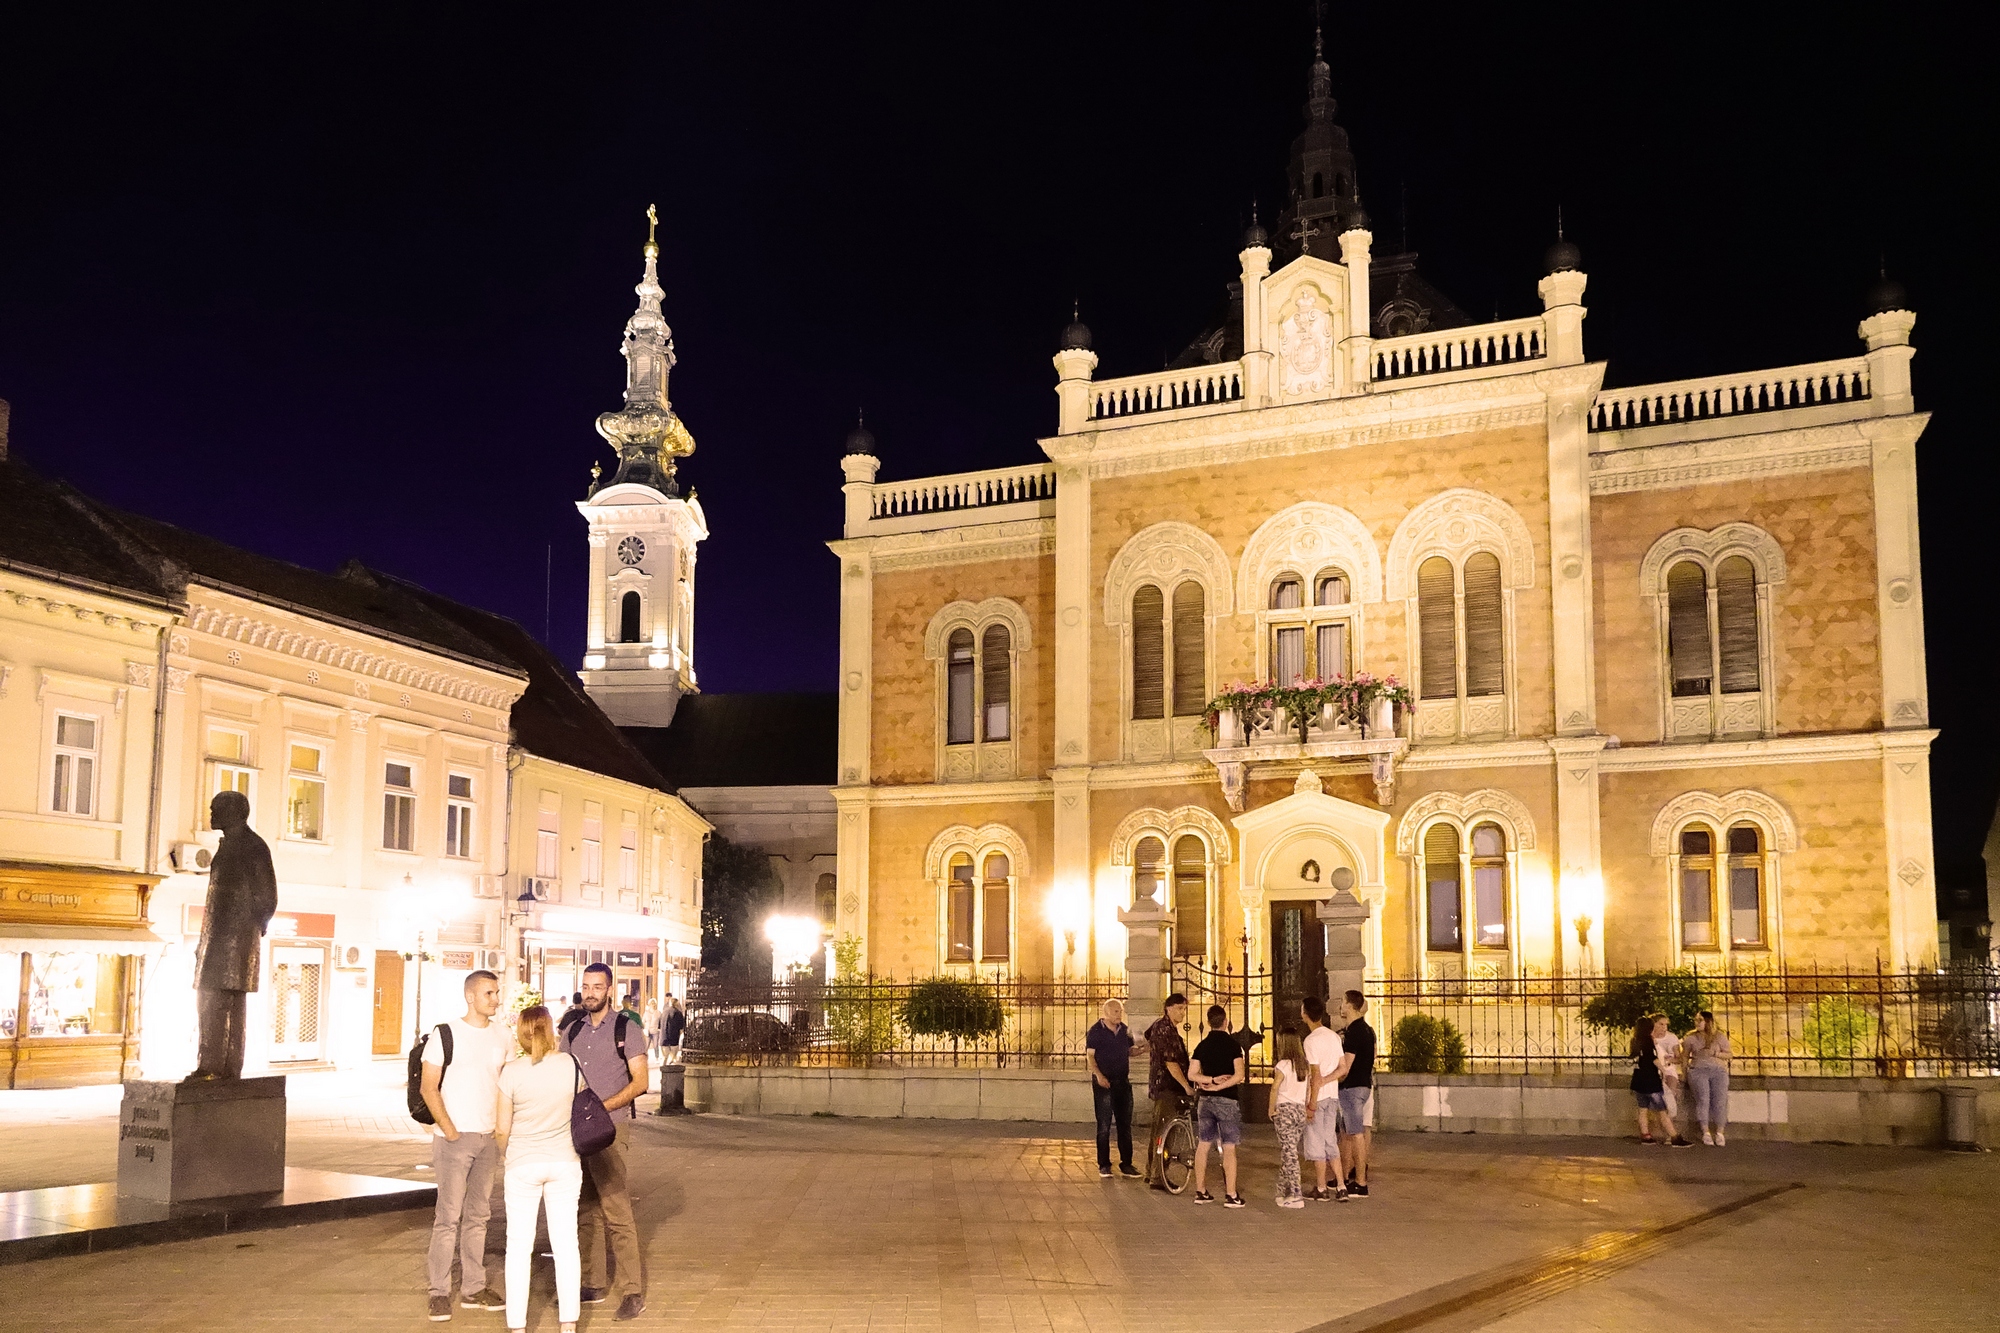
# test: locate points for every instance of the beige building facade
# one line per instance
(1665, 643)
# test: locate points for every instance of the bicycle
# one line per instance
(1173, 1144)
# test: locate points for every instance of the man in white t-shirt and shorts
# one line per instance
(1328, 1062)
(464, 1099)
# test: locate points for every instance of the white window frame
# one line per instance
(219, 767)
(319, 776)
(628, 851)
(1744, 715)
(591, 872)
(548, 841)
(1768, 862)
(91, 789)
(408, 794)
(461, 819)
(987, 840)
(977, 760)
(1309, 618)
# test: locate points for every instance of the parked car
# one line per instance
(751, 1032)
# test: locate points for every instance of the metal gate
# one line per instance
(297, 1002)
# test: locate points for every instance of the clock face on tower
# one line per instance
(631, 551)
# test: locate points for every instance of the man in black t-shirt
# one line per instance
(1357, 1094)
(1218, 1075)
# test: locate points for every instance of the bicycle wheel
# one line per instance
(1177, 1155)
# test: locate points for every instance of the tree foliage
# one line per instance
(737, 887)
(1839, 1028)
(953, 1007)
(1421, 1044)
(1625, 1000)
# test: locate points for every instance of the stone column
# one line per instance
(1346, 920)
(594, 626)
(1073, 367)
(859, 490)
(1580, 880)
(1570, 393)
(1899, 579)
(1906, 820)
(1145, 924)
(1071, 775)
(1358, 344)
(857, 641)
(1256, 357)
(1563, 312)
(1888, 338)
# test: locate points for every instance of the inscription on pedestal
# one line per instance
(202, 1140)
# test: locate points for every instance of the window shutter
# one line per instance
(958, 688)
(1190, 898)
(1441, 880)
(1438, 648)
(996, 683)
(1687, 629)
(1149, 653)
(1485, 665)
(1190, 670)
(1736, 621)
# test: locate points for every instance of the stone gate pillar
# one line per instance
(1145, 960)
(1346, 920)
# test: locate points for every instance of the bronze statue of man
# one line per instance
(242, 896)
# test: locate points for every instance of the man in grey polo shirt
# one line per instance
(611, 1051)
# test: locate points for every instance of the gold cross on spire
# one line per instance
(652, 224)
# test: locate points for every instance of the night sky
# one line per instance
(331, 284)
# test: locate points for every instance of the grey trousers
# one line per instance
(606, 1205)
(465, 1171)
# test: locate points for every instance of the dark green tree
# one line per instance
(1625, 1000)
(738, 888)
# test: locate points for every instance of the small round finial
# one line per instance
(1562, 257)
(1886, 294)
(860, 440)
(1356, 219)
(1076, 337)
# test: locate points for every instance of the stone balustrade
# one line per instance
(1822, 382)
(963, 490)
(1218, 385)
(1479, 347)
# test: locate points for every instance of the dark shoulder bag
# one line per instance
(591, 1130)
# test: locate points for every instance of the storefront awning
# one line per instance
(21, 937)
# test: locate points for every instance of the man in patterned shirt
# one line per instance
(1167, 1082)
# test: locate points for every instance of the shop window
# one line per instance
(458, 815)
(73, 790)
(305, 794)
(68, 994)
(399, 807)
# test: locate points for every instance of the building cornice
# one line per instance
(1765, 453)
(1833, 748)
(946, 793)
(1019, 539)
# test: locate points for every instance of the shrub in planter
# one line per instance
(1618, 1008)
(1421, 1044)
(953, 1007)
(1839, 1029)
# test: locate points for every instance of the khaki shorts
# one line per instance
(1322, 1141)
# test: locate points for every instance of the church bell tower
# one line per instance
(639, 647)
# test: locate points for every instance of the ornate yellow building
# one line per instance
(1666, 644)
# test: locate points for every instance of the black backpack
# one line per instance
(414, 1087)
(572, 1023)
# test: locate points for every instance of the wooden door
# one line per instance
(388, 1002)
(1298, 960)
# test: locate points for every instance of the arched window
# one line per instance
(1190, 897)
(1736, 624)
(1190, 667)
(1340, 186)
(1443, 905)
(1287, 593)
(1149, 668)
(996, 681)
(1688, 651)
(958, 688)
(1437, 637)
(1330, 588)
(1319, 185)
(1697, 888)
(826, 899)
(958, 911)
(1288, 642)
(628, 618)
(1489, 886)
(1148, 868)
(1746, 885)
(1485, 668)
(996, 911)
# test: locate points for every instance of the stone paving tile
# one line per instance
(934, 1227)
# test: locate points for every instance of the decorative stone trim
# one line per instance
(24, 597)
(1167, 553)
(1773, 750)
(1166, 825)
(1710, 548)
(1730, 807)
(975, 616)
(976, 842)
(292, 643)
(1306, 538)
(1503, 808)
(1455, 523)
(1689, 463)
(1020, 539)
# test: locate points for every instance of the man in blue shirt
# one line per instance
(1107, 1049)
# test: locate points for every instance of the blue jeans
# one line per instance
(1710, 1087)
(1113, 1103)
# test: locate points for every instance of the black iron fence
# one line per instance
(1780, 1020)
(1003, 1023)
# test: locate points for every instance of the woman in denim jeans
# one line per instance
(1707, 1052)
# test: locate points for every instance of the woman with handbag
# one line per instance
(541, 1168)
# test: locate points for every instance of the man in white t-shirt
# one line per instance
(1328, 1063)
(464, 1098)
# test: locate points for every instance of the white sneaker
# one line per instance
(1720, 1139)
(1708, 1137)
(1291, 1203)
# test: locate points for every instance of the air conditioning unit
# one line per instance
(350, 958)
(541, 890)
(486, 886)
(492, 960)
(191, 857)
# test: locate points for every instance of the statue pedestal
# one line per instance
(205, 1139)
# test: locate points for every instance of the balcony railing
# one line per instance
(1732, 395)
(964, 490)
(1167, 391)
(1478, 347)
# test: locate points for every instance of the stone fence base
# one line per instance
(1904, 1111)
(1900, 1111)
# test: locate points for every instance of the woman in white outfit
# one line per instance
(541, 1166)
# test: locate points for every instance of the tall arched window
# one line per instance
(1149, 667)
(996, 911)
(1190, 683)
(1688, 644)
(628, 618)
(1307, 641)
(1437, 637)
(1489, 887)
(958, 911)
(1697, 888)
(826, 899)
(1190, 897)
(1746, 885)
(996, 682)
(1736, 624)
(959, 688)
(1485, 666)
(1443, 899)
(1148, 869)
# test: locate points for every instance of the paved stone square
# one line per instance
(837, 1225)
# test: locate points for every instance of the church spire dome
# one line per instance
(1324, 184)
(645, 431)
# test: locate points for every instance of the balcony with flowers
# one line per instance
(1357, 717)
